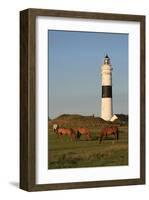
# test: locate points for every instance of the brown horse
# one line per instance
(66, 131)
(83, 131)
(113, 130)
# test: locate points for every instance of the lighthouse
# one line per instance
(106, 80)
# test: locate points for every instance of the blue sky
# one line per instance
(74, 66)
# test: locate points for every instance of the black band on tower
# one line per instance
(107, 91)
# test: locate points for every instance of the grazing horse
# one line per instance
(83, 131)
(64, 131)
(113, 130)
(67, 131)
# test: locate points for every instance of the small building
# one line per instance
(114, 117)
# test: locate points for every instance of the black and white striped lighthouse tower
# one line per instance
(106, 77)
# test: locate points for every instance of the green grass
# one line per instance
(64, 153)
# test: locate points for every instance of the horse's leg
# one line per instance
(60, 135)
(78, 135)
(72, 137)
(88, 137)
(75, 137)
(114, 134)
(117, 134)
(100, 139)
(57, 133)
(69, 135)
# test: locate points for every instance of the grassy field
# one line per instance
(64, 153)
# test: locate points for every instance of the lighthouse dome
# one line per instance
(106, 56)
(107, 59)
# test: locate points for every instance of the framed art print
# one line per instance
(82, 99)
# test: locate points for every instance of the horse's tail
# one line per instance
(117, 134)
(78, 134)
(100, 137)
